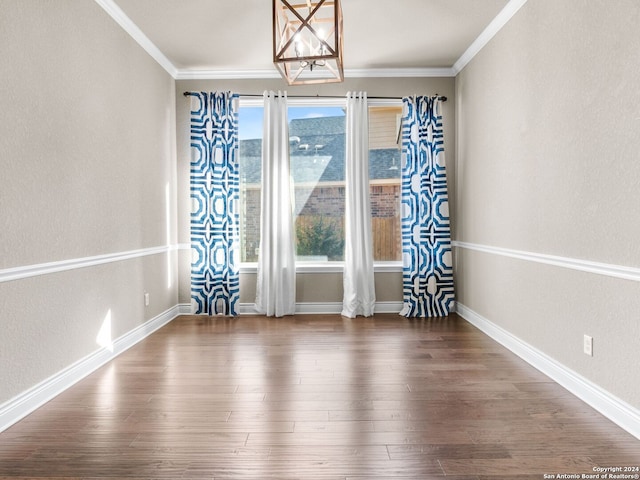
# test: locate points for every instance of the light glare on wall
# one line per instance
(103, 338)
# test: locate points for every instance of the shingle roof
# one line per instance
(317, 126)
(317, 147)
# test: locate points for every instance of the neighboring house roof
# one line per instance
(317, 147)
(317, 126)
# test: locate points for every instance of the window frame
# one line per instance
(394, 266)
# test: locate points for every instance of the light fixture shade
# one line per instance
(307, 40)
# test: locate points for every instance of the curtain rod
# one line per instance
(442, 97)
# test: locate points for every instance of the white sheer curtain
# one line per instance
(276, 285)
(359, 292)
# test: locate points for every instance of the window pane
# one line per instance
(384, 178)
(250, 159)
(316, 146)
(317, 167)
(317, 149)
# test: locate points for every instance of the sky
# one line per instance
(250, 118)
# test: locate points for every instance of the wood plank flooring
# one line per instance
(314, 397)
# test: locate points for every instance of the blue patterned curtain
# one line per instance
(215, 194)
(426, 236)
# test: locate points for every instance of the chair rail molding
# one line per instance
(608, 269)
(16, 273)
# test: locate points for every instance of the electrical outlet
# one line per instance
(146, 299)
(588, 345)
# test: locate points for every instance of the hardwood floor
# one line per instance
(315, 397)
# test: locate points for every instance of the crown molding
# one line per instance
(132, 29)
(399, 72)
(218, 74)
(487, 34)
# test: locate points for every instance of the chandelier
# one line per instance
(307, 40)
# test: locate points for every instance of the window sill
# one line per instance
(328, 267)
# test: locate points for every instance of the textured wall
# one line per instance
(87, 155)
(547, 163)
(329, 286)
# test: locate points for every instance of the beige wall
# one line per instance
(548, 134)
(311, 288)
(87, 162)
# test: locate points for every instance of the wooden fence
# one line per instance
(386, 233)
(386, 239)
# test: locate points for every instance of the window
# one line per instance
(317, 148)
(384, 181)
(250, 151)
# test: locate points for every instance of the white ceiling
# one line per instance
(232, 38)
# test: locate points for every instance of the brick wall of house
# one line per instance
(324, 200)
(329, 201)
(385, 220)
(385, 200)
(250, 223)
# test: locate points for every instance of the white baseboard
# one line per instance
(29, 400)
(325, 308)
(616, 410)
(184, 309)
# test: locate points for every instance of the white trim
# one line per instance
(132, 29)
(389, 307)
(328, 267)
(324, 308)
(399, 72)
(616, 410)
(22, 405)
(184, 309)
(311, 267)
(387, 267)
(16, 273)
(608, 269)
(215, 74)
(487, 34)
(248, 309)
